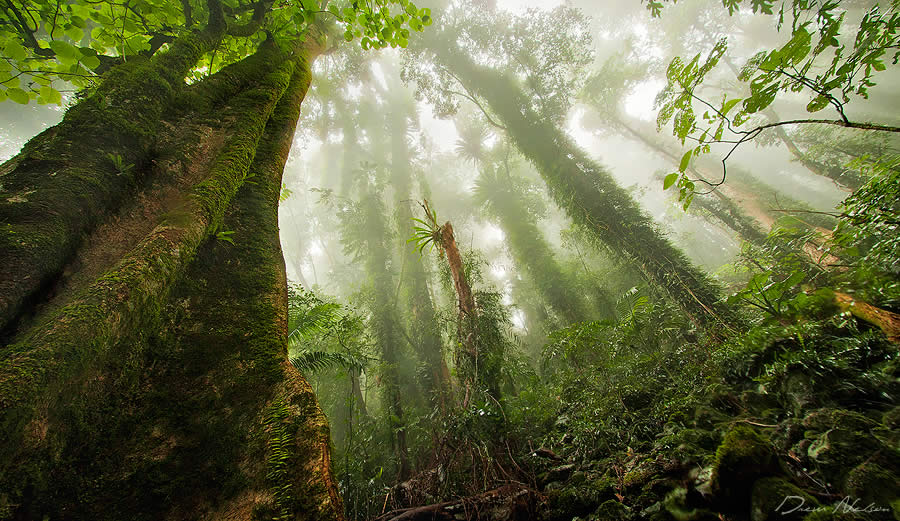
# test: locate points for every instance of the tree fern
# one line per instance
(312, 361)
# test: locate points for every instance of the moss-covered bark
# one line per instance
(161, 390)
(53, 192)
(530, 250)
(384, 321)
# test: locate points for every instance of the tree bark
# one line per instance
(424, 326)
(153, 382)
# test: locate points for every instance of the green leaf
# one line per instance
(670, 180)
(51, 95)
(65, 50)
(18, 95)
(817, 104)
(91, 62)
(75, 33)
(685, 160)
(730, 105)
(14, 50)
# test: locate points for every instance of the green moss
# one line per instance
(743, 457)
(872, 485)
(837, 451)
(891, 419)
(613, 510)
(678, 506)
(824, 419)
(777, 498)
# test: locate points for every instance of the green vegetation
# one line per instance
(250, 276)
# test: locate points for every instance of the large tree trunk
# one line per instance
(152, 381)
(533, 254)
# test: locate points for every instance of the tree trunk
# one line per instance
(425, 329)
(587, 193)
(718, 204)
(153, 382)
(384, 323)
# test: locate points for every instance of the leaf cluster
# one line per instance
(814, 60)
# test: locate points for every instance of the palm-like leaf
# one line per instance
(312, 361)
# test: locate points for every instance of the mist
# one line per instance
(543, 259)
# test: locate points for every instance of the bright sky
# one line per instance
(520, 5)
(639, 103)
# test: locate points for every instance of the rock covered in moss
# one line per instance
(837, 451)
(873, 487)
(777, 498)
(743, 457)
(613, 510)
(825, 419)
(708, 418)
(799, 391)
(891, 419)
(679, 505)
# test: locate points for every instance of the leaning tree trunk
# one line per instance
(534, 255)
(587, 193)
(152, 381)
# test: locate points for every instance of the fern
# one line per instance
(312, 361)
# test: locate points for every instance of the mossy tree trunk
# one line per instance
(717, 203)
(424, 330)
(584, 189)
(384, 321)
(150, 379)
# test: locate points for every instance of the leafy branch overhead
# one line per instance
(46, 47)
(815, 62)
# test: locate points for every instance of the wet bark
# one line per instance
(53, 193)
(887, 321)
(153, 382)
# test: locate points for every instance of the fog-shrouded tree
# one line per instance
(530, 113)
(424, 328)
(365, 234)
(142, 295)
(504, 197)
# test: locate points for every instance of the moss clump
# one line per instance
(838, 450)
(825, 419)
(776, 498)
(870, 484)
(743, 457)
(613, 510)
(891, 419)
(679, 507)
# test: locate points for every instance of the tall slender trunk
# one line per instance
(534, 255)
(425, 330)
(384, 317)
(154, 383)
(719, 204)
